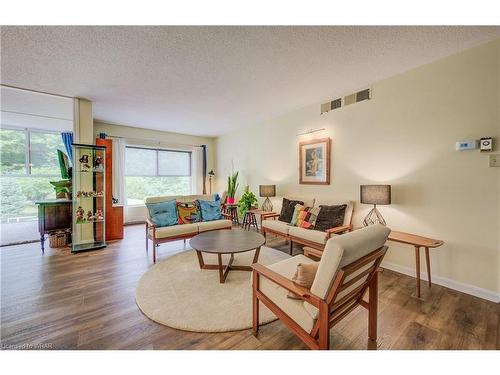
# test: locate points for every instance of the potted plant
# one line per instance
(247, 201)
(232, 186)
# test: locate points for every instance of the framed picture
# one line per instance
(314, 161)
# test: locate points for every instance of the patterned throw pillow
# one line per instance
(330, 217)
(189, 212)
(287, 208)
(295, 216)
(307, 217)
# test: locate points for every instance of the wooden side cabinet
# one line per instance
(53, 215)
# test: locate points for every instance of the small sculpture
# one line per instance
(90, 217)
(98, 163)
(85, 161)
(79, 214)
(99, 215)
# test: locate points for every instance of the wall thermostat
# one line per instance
(486, 144)
(466, 145)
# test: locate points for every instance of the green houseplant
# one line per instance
(247, 201)
(232, 186)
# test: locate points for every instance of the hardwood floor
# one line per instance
(86, 301)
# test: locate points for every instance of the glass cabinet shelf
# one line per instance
(89, 209)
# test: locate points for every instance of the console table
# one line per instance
(53, 215)
(417, 242)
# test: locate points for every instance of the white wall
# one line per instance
(154, 138)
(405, 137)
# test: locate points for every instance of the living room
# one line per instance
(250, 187)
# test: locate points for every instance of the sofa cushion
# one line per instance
(176, 230)
(312, 235)
(210, 210)
(293, 308)
(189, 212)
(277, 226)
(215, 224)
(287, 208)
(330, 217)
(163, 214)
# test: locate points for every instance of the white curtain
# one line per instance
(119, 169)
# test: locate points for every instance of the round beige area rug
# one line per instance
(178, 294)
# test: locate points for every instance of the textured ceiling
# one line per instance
(212, 80)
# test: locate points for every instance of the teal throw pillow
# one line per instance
(210, 210)
(163, 214)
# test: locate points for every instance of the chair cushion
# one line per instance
(309, 234)
(330, 217)
(215, 224)
(210, 210)
(277, 226)
(293, 308)
(189, 212)
(176, 230)
(287, 209)
(163, 214)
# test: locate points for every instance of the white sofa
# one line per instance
(160, 235)
(308, 237)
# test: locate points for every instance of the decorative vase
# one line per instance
(230, 200)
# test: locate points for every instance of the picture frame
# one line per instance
(314, 162)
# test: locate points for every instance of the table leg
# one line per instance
(417, 265)
(42, 242)
(256, 256)
(428, 261)
(200, 259)
(254, 219)
(221, 270)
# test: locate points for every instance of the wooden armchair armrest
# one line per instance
(268, 216)
(341, 229)
(287, 284)
(150, 223)
(227, 216)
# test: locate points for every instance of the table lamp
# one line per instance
(375, 194)
(267, 191)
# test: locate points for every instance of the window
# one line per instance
(28, 162)
(152, 172)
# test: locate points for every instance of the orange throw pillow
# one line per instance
(304, 276)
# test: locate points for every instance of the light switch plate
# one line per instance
(466, 145)
(494, 160)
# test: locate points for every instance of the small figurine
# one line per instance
(78, 194)
(79, 214)
(90, 217)
(85, 161)
(98, 163)
(99, 215)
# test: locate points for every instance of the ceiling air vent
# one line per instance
(347, 100)
(334, 104)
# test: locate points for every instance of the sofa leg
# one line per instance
(290, 246)
(146, 237)
(324, 327)
(155, 246)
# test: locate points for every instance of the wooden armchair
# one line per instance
(348, 268)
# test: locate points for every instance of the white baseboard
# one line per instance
(449, 283)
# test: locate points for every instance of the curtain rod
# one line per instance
(149, 140)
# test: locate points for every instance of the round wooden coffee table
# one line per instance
(226, 241)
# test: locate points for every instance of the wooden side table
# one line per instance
(417, 242)
(232, 209)
(53, 215)
(249, 220)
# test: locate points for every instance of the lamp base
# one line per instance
(267, 205)
(373, 217)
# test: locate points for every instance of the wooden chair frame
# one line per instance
(293, 239)
(330, 311)
(184, 236)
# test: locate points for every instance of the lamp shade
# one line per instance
(267, 190)
(375, 194)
